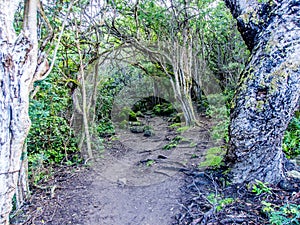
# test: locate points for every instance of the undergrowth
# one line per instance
(51, 140)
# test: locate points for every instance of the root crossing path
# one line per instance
(135, 181)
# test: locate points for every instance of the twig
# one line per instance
(58, 42)
(53, 214)
(159, 172)
(53, 191)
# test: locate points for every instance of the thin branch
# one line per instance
(50, 32)
(57, 43)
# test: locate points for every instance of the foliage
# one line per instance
(193, 144)
(106, 128)
(226, 51)
(147, 127)
(182, 129)
(173, 143)
(291, 140)
(223, 203)
(150, 162)
(218, 110)
(288, 214)
(213, 157)
(267, 207)
(175, 125)
(218, 202)
(155, 106)
(164, 109)
(207, 32)
(260, 187)
(51, 139)
(170, 145)
(127, 114)
(108, 89)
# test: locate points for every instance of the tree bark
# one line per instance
(22, 191)
(18, 63)
(85, 109)
(268, 91)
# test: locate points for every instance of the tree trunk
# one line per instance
(187, 109)
(85, 109)
(22, 191)
(18, 57)
(268, 91)
(185, 103)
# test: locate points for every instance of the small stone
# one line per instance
(162, 157)
(122, 181)
(148, 133)
(137, 129)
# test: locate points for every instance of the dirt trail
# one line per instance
(134, 182)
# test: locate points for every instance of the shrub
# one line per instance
(288, 214)
(51, 140)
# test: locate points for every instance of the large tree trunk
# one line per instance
(268, 91)
(18, 63)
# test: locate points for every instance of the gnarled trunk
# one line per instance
(268, 91)
(18, 63)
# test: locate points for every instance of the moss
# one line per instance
(213, 158)
(132, 116)
(248, 75)
(175, 125)
(262, 84)
(127, 113)
(232, 106)
(248, 104)
(182, 129)
(262, 1)
(245, 18)
(280, 75)
(123, 124)
(273, 86)
(270, 44)
(212, 161)
(215, 150)
(260, 105)
(139, 114)
(136, 123)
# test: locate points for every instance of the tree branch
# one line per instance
(252, 18)
(50, 31)
(40, 72)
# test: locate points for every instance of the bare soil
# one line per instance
(133, 182)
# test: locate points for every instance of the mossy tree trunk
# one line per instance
(269, 88)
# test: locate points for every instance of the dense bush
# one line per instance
(51, 139)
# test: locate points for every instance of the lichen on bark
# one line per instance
(268, 91)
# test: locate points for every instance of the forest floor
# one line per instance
(135, 181)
